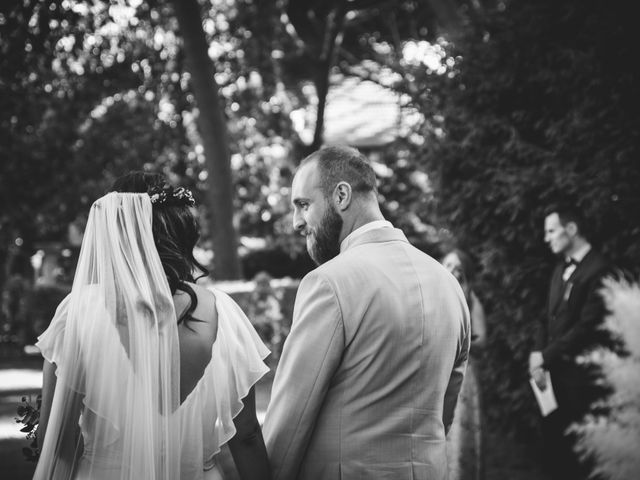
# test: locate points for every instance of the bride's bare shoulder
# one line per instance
(200, 329)
(206, 307)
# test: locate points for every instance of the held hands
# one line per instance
(536, 370)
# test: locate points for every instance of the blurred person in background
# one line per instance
(459, 264)
(575, 311)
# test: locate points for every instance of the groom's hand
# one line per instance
(537, 372)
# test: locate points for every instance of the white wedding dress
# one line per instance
(206, 415)
(114, 342)
(236, 365)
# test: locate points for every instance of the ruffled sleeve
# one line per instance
(237, 363)
(51, 340)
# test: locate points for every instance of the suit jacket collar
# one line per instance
(363, 229)
(559, 287)
(580, 254)
(377, 235)
(585, 264)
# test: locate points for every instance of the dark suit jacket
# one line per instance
(574, 313)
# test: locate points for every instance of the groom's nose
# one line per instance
(298, 221)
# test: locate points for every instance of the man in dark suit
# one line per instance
(575, 311)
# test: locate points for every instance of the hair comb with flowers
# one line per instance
(170, 196)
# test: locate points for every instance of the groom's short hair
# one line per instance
(570, 212)
(343, 164)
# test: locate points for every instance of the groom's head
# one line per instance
(332, 189)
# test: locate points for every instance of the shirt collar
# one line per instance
(581, 253)
(348, 240)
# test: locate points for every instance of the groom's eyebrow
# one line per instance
(298, 201)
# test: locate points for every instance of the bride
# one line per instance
(147, 374)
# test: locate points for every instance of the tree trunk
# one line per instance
(213, 131)
(327, 58)
(321, 82)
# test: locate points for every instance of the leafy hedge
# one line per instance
(543, 106)
(612, 441)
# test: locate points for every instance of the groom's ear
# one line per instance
(342, 196)
(572, 228)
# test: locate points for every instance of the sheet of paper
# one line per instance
(546, 398)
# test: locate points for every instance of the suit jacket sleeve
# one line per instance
(455, 381)
(541, 334)
(309, 359)
(578, 336)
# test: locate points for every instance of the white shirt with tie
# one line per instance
(573, 261)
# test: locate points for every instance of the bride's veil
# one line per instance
(116, 353)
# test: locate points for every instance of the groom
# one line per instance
(371, 371)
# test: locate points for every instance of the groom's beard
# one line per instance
(323, 243)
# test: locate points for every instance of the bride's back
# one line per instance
(197, 332)
(110, 387)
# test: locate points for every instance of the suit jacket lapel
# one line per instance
(561, 290)
(556, 290)
(583, 266)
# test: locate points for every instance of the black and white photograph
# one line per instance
(319, 240)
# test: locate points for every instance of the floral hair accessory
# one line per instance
(170, 196)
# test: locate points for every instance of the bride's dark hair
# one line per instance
(175, 232)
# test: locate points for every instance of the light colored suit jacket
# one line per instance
(370, 373)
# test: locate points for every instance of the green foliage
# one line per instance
(612, 440)
(539, 105)
(79, 106)
(29, 416)
(407, 197)
(90, 91)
